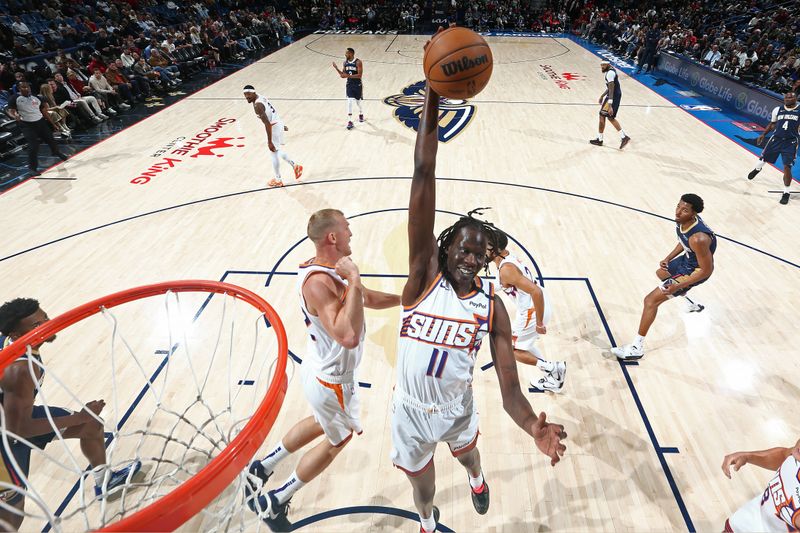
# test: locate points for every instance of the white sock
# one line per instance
(283, 155)
(285, 492)
(599, 136)
(99, 473)
(349, 106)
(760, 164)
(428, 524)
(786, 188)
(638, 341)
(476, 482)
(278, 454)
(360, 110)
(546, 366)
(276, 165)
(622, 134)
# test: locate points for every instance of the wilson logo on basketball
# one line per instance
(460, 65)
(177, 150)
(454, 115)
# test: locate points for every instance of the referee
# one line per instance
(30, 113)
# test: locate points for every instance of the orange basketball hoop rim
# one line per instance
(194, 494)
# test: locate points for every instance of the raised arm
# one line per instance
(547, 436)
(422, 265)
(770, 459)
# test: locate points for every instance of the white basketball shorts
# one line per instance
(336, 406)
(417, 428)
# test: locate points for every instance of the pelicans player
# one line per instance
(609, 106)
(447, 311)
(533, 313)
(352, 70)
(275, 128)
(778, 508)
(786, 124)
(332, 300)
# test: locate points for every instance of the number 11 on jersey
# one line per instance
(442, 361)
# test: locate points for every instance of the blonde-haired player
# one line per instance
(332, 301)
(275, 139)
(777, 509)
(533, 313)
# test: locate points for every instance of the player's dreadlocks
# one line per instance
(446, 237)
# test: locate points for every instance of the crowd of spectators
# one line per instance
(97, 58)
(104, 56)
(755, 41)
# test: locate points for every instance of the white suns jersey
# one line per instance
(323, 353)
(439, 341)
(522, 299)
(272, 114)
(775, 509)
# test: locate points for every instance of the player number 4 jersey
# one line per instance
(439, 341)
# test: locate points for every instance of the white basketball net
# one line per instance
(178, 388)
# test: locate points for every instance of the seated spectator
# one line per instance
(86, 91)
(160, 63)
(20, 28)
(140, 85)
(119, 83)
(105, 93)
(143, 68)
(96, 63)
(87, 107)
(58, 115)
(712, 56)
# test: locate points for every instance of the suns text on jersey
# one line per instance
(440, 330)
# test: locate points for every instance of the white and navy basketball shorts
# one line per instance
(418, 428)
(335, 404)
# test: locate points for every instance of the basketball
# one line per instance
(458, 63)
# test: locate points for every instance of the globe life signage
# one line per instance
(751, 101)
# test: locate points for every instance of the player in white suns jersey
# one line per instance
(447, 313)
(275, 129)
(332, 301)
(777, 509)
(533, 313)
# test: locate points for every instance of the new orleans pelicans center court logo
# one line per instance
(454, 115)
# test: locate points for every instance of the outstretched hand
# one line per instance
(428, 42)
(736, 460)
(548, 437)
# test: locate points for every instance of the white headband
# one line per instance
(250, 91)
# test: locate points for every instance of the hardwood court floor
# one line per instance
(645, 442)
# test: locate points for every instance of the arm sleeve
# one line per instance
(611, 76)
(775, 114)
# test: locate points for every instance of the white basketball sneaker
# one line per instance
(694, 307)
(629, 352)
(559, 373)
(548, 383)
